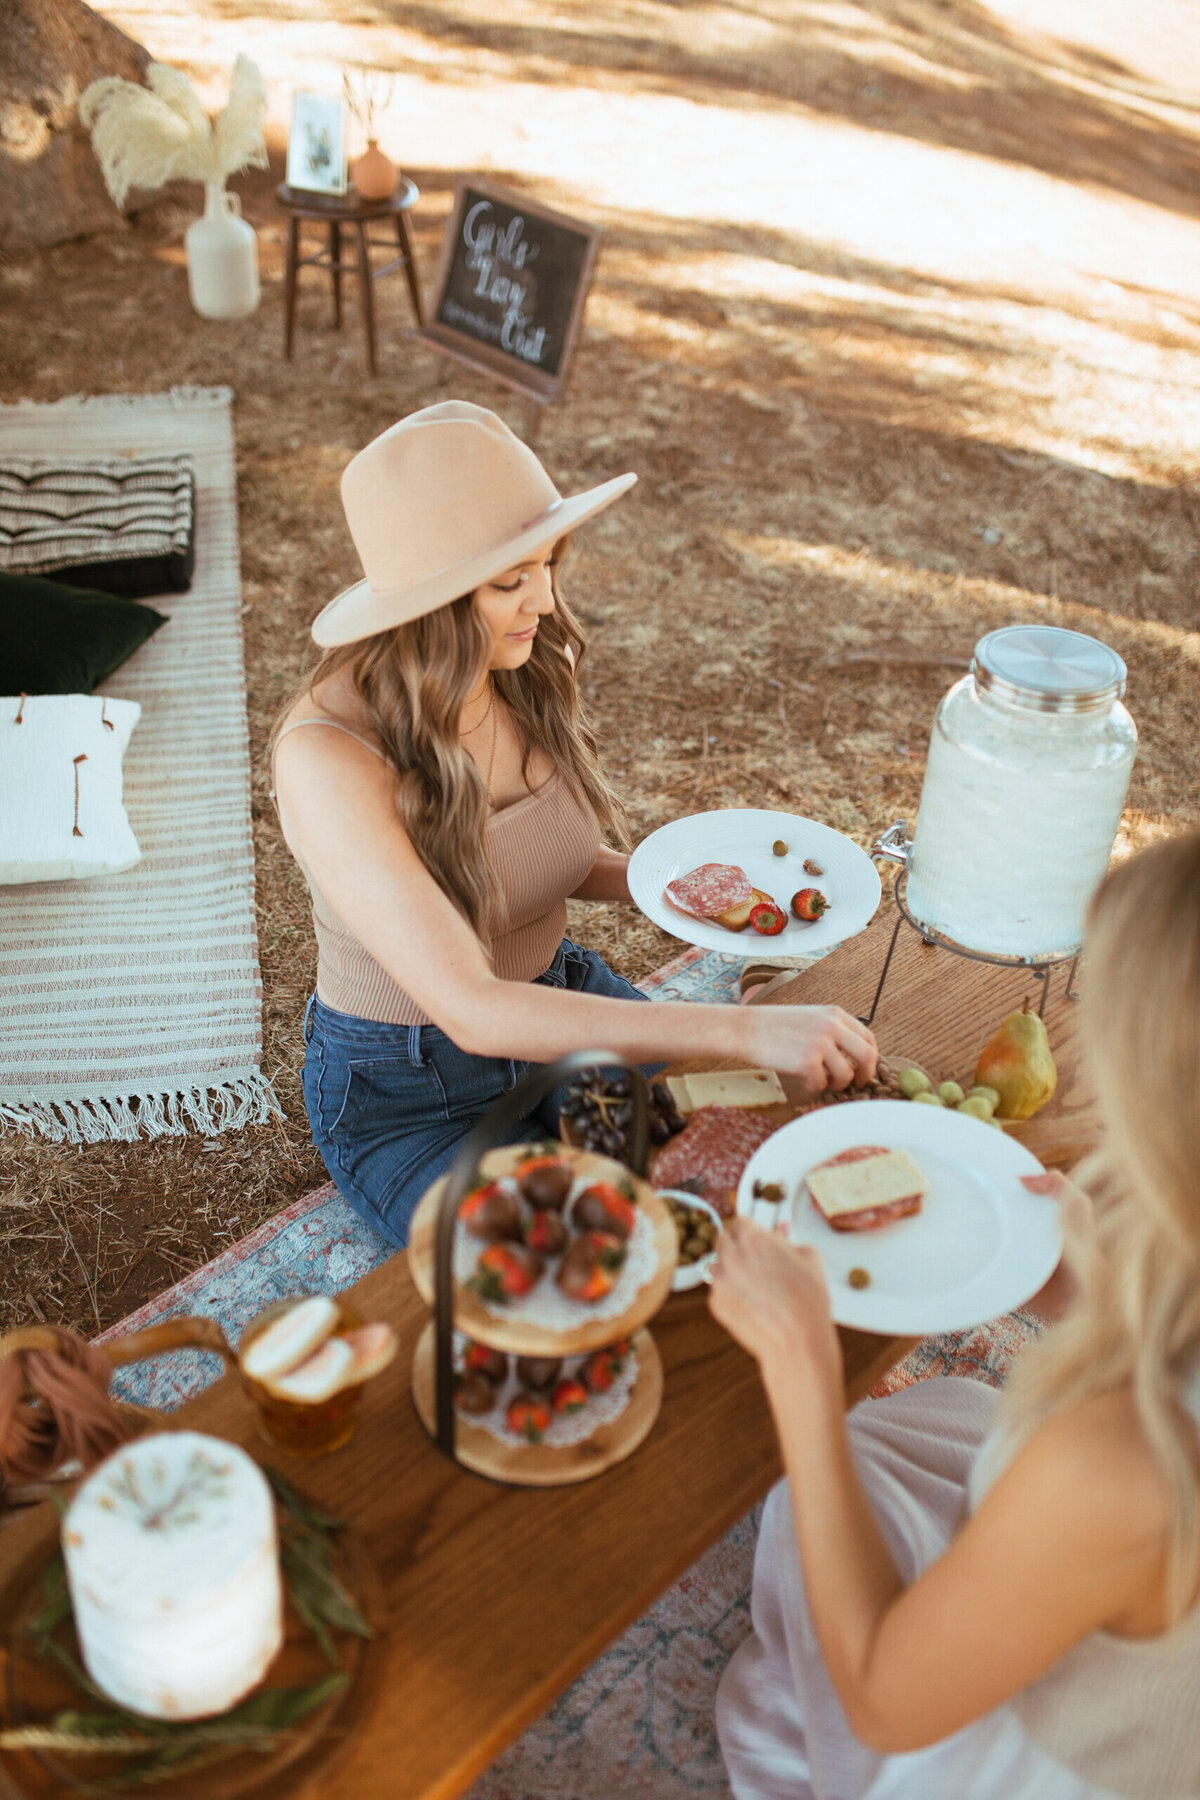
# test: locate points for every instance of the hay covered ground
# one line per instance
(896, 317)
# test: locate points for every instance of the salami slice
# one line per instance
(708, 1156)
(711, 889)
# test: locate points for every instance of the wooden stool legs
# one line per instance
(335, 269)
(404, 240)
(364, 282)
(289, 286)
(357, 229)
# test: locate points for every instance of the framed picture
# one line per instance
(316, 159)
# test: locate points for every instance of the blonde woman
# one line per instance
(968, 1597)
(441, 790)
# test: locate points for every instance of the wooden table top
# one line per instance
(497, 1597)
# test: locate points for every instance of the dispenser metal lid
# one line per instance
(1048, 670)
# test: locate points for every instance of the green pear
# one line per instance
(1018, 1064)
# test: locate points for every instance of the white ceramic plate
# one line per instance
(744, 835)
(980, 1245)
(690, 1275)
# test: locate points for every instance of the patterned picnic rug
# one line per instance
(639, 1721)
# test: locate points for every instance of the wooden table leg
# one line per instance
(404, 239)
(335, 269)
(364, 281)
(289, 285)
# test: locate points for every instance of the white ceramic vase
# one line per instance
(222, 258)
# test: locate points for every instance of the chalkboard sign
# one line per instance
(512, 287)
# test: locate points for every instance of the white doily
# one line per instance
(564, 1428)
(546, 1304)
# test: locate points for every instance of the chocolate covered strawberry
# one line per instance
(545, 1181)
(591, 1266)
(506, 1271)
(809, 905)
(570, 1396)
(492, 1212)
(528, 1417)
(538, 1372)
(603, 1366)
(545, 1232)
(603, 1207)
(489, 1362)
(473, 1392)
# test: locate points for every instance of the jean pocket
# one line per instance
(383, 1095)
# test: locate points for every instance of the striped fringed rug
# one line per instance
(132, 1004)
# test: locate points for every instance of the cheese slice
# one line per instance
(873, 1181)
(729, 1087)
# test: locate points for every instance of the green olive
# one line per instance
(975, 1106)
(928, 1100)
(779, 847)
(985, 1093)
(913, 1082)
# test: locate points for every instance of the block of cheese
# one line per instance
(173, 1567)
(866, 1187)
(727, 1087)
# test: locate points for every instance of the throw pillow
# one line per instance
(60, 774)
(123, 524)
(64, 640)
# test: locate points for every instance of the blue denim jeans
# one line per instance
(390, 1104)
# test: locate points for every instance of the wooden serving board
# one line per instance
(513, 1332)
(548, 1465)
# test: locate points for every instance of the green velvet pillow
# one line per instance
(65, 640)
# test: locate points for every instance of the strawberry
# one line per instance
(603, 1366)
(569, 1396)
(506, 1271)
(527, 1417)
(489, 1362)
(544, 1180)
(809, 904)
(546, 1232)
(492, 1212)
(767, 918)
(603, 1207)
(590, 1267)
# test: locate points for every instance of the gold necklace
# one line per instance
(488, 709)
(492, 758)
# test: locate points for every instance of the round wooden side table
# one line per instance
(351, 214)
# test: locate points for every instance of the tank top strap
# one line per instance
(334, 725)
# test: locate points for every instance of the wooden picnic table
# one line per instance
(496, 1598)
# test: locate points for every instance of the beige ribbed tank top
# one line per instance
(1122, 1713)
(541, 848)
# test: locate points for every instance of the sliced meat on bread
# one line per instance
(710, 890)
(866, 1187)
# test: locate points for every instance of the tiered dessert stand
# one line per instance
(431, 1248)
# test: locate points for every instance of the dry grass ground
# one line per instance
(893, 319)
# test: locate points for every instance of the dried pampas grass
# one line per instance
(145, 136)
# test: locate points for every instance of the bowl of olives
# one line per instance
(697, 1227)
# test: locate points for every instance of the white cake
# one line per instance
(173, 1567)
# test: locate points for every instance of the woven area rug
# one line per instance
(132, 1004)
(639, 1721)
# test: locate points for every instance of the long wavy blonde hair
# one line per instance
(412, 682)
(1137, 1319)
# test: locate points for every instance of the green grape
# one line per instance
(951, 1093)
(913, 1082)
(985, 1093)
(975, 1106)
(927, 1100)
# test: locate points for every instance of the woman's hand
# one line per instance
(772, 1296)
(1078, 1224)
(825, 1046)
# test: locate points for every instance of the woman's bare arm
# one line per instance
(1071, 1537)
(339, 816)
(607, 879)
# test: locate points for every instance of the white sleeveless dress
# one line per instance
(1123, 1716)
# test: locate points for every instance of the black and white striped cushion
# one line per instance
(123, 524)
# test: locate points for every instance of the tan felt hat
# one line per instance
(441, 503)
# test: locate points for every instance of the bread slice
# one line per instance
(870, 1190)
(738, 917)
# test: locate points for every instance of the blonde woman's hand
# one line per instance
(824, 1045)
(772, 1297)
(1078, 1224)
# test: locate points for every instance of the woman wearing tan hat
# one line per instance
(445, 802)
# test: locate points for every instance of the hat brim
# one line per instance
(361, 611)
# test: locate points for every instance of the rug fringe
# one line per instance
(226, 1106)
(183, 395)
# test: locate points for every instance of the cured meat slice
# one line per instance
(895, 1184)
(711, 889)
(708, 1156)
